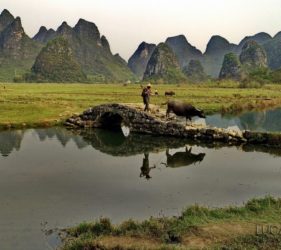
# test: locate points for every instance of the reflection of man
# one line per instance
(145, 169)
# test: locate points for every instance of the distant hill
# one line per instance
(273, 51)
(253, 56)
(232, 68)
(138, 61)
(6, 18)
(216, 49)
(56, 63)
(17, 50)
(163, 66)
(91, 50)
(183, 50)
(195, 71)
(251, 65)
(261, 38)
(44, 35)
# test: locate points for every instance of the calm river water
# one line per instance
(54, 178)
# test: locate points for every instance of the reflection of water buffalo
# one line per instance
(183, 159)
(183, 109)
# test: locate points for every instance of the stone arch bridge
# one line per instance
(113, 116)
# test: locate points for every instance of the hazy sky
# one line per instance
(126, 23)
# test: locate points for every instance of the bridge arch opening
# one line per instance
(111, 121)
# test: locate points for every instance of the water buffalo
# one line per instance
(170, 93)
(183, 159)
(183, 109)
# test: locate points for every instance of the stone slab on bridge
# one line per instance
(113, 116)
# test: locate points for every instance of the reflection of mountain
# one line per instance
(10, 140)
(183, 159)
(262, 149)
(222, 121)
(43, 134)
(115, 144)
(264, 121)
(255, 121)
(62, 135)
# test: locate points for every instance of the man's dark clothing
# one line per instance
(146, 98)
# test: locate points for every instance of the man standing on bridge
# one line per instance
(146, 93)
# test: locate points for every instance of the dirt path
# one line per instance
(209, 235)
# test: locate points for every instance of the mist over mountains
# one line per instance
(89, 52)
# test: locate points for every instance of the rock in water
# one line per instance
(253, 56)
(232, 68)
(163, 66)
(138, 61)
(195, 71)
(56, 63)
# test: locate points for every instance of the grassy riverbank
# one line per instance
(196, 228)
(33, 105)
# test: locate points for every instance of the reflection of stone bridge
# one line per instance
(115, 144)
(113, 116)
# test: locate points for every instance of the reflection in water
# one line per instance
(62, 135)
(183, 159)
(10, 140)
(125, 130)
(255, 121)
(115, 143)
(63, 177)
(145, 168)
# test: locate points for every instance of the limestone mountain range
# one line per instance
(218, 47)
(175, 57)
(18, 52)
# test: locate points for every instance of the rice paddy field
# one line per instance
(33, 105)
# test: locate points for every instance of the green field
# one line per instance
(47, 104)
